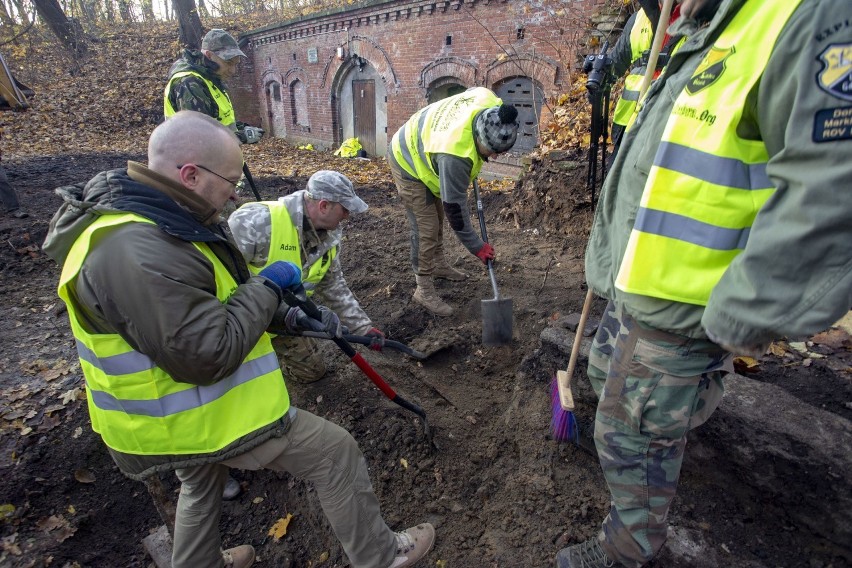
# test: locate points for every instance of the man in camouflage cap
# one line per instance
(304, 228)
(196, 80)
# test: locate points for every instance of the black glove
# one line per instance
(298, 321)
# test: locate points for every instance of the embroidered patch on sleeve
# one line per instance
(835, 78)
(832, 124)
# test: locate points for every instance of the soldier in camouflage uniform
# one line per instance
(719, 229)
(315, 213)
(196, 80)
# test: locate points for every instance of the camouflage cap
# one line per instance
(222, 44)
(336, 187)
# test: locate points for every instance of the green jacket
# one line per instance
(794, 276)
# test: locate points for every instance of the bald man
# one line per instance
(180, 374)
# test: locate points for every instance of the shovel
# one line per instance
(496, 312)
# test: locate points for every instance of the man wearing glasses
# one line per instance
(304, 228)
(180, 373)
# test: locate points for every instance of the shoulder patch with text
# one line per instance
(710, 69)
(835, 78)
(832, 124)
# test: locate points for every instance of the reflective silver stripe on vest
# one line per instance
(191, 398)
(729, 172)
(629, 95)
(123, 364)
(425, 160)
(309, 286)
(683, 228)
(403, 147)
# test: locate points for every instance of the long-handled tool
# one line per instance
(311, 310)
(496, 312)
(366, 340)
(562, 423)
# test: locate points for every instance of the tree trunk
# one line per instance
(148, 11)
(124, 11)
(191, 31)
(4, 15)
(22, 11)
(69, 34)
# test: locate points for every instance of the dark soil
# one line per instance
(499, 490)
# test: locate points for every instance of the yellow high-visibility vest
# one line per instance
(223, 101)
(641, 38)
(284, 245)
(707, 183)
(444, 127)
(137, 408)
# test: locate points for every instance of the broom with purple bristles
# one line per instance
(563, 425)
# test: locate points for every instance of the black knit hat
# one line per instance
(497, 127)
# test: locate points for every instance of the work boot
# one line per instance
(426, 296)
(239, 556)
(18, 213)
(587, 554)
(232, 489)
(447, 272)
(413, 544)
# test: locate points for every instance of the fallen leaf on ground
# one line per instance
(834, 338)
(84, 476)
(744, 364)
(279, 529)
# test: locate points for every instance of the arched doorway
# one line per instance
(276, 123)
(443, 88)
(362, 106)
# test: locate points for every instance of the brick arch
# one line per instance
(371, 51)
(293, 74)
(456, 67)
(366, 49)
(542, 70)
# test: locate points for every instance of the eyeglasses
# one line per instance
(238, 185)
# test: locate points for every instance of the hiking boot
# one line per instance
(18, 213)
(587, 554)
(447, 272)
(413, 544)
(426, 296)
(232, 489)
(239, 556)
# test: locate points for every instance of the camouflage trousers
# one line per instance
(301, 358)
(653, 388)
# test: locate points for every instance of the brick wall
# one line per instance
(413, 49)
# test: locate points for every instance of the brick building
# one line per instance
(365, 69)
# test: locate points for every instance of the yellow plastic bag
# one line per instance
(349, 148)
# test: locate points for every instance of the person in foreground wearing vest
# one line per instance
(196, 80)
(180, 373)
(304, 228)
(723, 225)
(433, 158)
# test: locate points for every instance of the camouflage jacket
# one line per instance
(251, 226)
(190, 93)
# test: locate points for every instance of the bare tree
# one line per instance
(22, 11)
(148, 11)
(4, 15)
(191, 31)
(69, 32)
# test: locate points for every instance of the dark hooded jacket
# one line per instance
(152, 286)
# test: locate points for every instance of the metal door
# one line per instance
(364, 113)
(527, 98)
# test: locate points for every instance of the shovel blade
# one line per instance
(497, 321)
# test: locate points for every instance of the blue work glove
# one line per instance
(283, 274)
(298, 321)
(377, 338)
